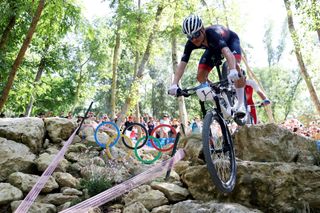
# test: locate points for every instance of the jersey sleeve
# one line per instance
(253, 84)
(187, 51)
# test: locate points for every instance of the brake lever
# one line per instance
(184, 93)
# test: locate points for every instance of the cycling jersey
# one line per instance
(218, 37)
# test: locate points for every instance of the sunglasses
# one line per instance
(194, 35)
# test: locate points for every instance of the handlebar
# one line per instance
(260, 104)
(185, 92)
(217, 86)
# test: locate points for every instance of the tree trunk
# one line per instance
(6, 32)
(297, 50)
(37, 79)
(9, 27)
(137, 113)
(80, 81)
(116, 53)
(291, 97)
(20, 56)
(139, 74)
(209, 11)
(181, 102)
(146, 54)
(225, 12)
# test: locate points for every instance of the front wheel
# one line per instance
(218, 152)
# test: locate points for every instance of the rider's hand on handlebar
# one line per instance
(233, 75)
(173, 90)
(265, 102)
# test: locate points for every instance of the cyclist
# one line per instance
(216, 40)
(251, 86)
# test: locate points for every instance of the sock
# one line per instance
(240, 96)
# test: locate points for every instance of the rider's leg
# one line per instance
(239, 85)
(205, 66)
(202, 75)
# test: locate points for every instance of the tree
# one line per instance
(9, 26)
(20, 56)
(297, 50)
(138, 75)
(58, 19)
(310, 11)
(181, 102)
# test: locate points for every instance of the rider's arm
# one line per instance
(231, 60)
(184, 61)
(179, 72)
(256, 88)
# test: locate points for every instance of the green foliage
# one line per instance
(282, 88)
(78, 56)
(310, 12)
(95, 185)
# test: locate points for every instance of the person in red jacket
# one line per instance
(251, 86)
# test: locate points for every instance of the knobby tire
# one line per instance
(225, 186)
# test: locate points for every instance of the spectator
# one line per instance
(196, 125)
(143, 122)
(128, 123)
(176, 125)
(164, 131)
(62, 115)
(150, 125)
(104, 118)
(69, 116)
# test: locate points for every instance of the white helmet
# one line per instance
(191, 24)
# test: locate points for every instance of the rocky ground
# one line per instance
(278, 171)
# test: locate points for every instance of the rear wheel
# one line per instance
(218, 152)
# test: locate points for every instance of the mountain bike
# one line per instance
(218, 147)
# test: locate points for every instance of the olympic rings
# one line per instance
(142, 131)
(116, 138)
(108, 150)
(147, 161)
(174, 132)
(156, 143)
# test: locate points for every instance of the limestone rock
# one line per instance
(14, 157)
(59, 129)
(9, 193)
(29, 131)
(25, 182)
